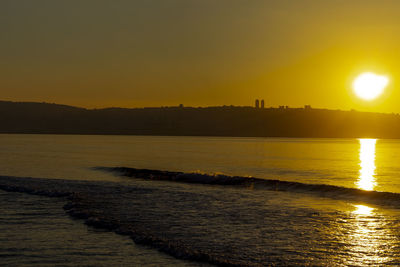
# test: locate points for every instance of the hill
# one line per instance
(44, 118)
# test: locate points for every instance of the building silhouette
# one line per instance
(257, 103)
(262, 103)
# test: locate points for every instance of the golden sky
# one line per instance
(98, 53)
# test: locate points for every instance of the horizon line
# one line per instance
(182, 106)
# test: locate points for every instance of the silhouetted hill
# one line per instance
(28, 117)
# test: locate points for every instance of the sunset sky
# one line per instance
(98, 53)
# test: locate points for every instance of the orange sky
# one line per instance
(98, 53)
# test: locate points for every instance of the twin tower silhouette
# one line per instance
(258, 103)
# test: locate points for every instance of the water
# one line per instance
(297, 224)
(35, 230)
(322, 161)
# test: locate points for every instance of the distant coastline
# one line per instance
(233, 121)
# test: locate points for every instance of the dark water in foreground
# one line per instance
(199, 217)
(35, 230)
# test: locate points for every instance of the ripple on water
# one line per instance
(35, 230)
(231, 225)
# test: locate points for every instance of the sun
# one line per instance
(369, 85)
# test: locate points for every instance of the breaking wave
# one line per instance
(321, 190)
(211, 224)
(98, 204)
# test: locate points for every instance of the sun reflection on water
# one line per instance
(363, 210)
(368, 234)
(367, 164)
(369, 237)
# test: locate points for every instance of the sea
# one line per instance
(93, 200)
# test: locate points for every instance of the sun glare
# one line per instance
(369, 85)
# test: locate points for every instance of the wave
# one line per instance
(222, 227)
(104, 205)
(321, 190)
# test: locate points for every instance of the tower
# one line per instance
(262, 103)
(257, 103)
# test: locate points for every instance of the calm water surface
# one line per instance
(366, 163)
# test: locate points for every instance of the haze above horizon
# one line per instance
(98, 53)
